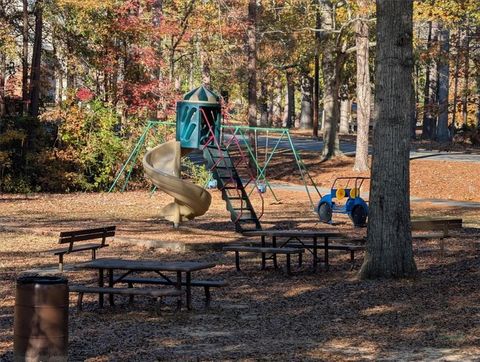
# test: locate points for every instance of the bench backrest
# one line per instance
(86, 234)
(436, 224)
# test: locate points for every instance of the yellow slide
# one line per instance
(162, 166)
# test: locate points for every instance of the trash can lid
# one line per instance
(41, 279)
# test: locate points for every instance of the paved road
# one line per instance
(306, 144)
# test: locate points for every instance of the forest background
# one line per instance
(79, 79)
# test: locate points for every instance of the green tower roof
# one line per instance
(201, 94)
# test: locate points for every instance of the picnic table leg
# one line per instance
(289, 271)
(315, 253)
(237, 260)
(274, 244)
(188, 287)
(263, 254)
(100, 284)
(110, 284)
(326, 253)
(178, 286)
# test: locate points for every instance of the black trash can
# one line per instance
(41, 319)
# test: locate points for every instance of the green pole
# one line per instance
(302, 170)
(134, 151)
(137, 151)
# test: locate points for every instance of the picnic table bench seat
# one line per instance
(352, 248)
(265, 250)
(153, 292)
(77, 236)
(206, 284)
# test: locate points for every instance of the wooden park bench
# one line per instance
(440, 229)
(74, 239)
(156, 293)
(206, 284)
(265, 250)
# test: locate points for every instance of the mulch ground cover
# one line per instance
(260, 315)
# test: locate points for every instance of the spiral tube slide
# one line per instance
(162, 166)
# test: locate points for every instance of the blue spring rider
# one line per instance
(355, 207)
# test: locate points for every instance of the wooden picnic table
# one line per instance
(136, 266)
(300, 236)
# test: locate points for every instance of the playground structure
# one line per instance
(234, 164)
(355, 207)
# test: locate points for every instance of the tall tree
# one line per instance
(36, 70)
(389, 251)
(442, 132)
(25, 40)
(331, 66)
(306, 87)
(363, 91)
(252, 62)
(430, 89)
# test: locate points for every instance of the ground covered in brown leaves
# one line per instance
(261, 315)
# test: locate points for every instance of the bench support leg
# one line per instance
(188, 288)
(237, 260)
(315, 253)
(300, 259)
(179, 287)
(352, 259)
(274, 244)
(158, 306)
(79, 301)
(208, 297)
(60, 262)
(131, 297)
(94, 254)
(289, 271)
(110, 284)
(100, 284)
(263, 261)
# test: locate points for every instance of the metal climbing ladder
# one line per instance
(242, 212)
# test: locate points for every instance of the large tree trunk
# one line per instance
(316, 76)
(263, 103)
(252, 63)
(344, 115)
(443, 134)
(36, 61)
(389, 252)
(276, 117)
(466, 78)
(25, 86)
(306, 87)
(430, 89)
(331, 66)
(289, 112)
(456, 77)
(3, 71)
(363, 94)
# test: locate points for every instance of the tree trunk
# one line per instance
(331, 66)
(466, 90)
(389, 252)
(252, 62)
(443, 134)
(276, 117)
(206, 74)
(36, 61)
(345, 106)
(263, 103)
(289, 113)
(455, 77)
(25, 86)
(3, 71)
(363, 94)
(430, 89)
(306, 120)
(316, 76)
